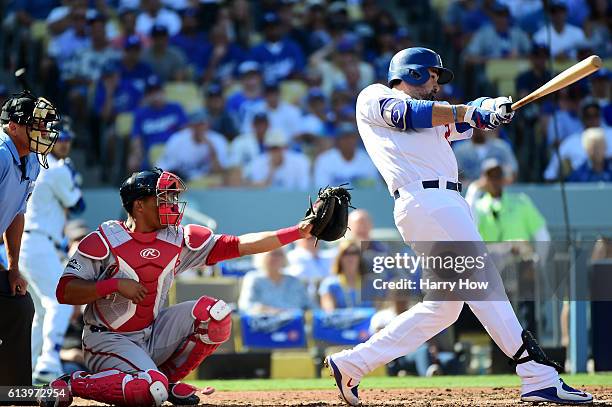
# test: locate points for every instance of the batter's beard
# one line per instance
(430, 96)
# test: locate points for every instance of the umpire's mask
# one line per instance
(40, 118)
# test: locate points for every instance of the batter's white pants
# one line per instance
(440, 215)
(41, 266)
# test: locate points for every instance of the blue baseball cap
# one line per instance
(153, 82)
(159, 30)
(500, 8)
(133, 41)
(558, 4)
(346, 129)
(602, 73)
(94, 15)
(110, 67)
(247, 67)
(270, 19)
(271, 86)
(214, 89)
(315, 93)
(261, 115)
(65, 135)
(198, 116)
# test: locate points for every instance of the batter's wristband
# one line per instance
(288, 235)
(106, 287)
(454, 109)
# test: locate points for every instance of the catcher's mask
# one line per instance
(164, 185)
(40, 118)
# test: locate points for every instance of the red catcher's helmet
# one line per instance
(164, 185)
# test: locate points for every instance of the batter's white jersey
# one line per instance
(54, 192)
(403, 157)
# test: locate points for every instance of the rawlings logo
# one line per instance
(149, 253)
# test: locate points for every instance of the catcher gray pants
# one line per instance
(141, 350)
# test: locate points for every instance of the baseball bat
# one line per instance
(572, 74)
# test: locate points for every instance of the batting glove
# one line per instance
(482, 119)
(503, 109)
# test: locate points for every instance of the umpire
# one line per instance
(27, 134)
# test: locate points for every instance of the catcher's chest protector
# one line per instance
(149, 258)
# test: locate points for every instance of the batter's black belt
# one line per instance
(96, 328)
(453, 186)
(56, 244)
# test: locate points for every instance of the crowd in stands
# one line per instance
(262, 94)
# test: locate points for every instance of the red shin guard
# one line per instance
(138, 389)
(212, 326)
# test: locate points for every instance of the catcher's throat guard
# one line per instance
(168, 190)
(534, 352)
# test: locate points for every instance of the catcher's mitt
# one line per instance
(329, 214)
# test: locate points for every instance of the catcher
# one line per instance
(136, 350)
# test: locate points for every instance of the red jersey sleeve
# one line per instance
(225, 248)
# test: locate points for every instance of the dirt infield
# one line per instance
(472, 397)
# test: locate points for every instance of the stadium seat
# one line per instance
(292, 365)
(503, 72)
(293, 91)
(38, 31)
(123, 124)
(187, 94)
(209, 181)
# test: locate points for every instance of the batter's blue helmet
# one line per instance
(411, 65)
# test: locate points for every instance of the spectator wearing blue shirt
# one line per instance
(113, 95)
(565, 121)
(131, 66)
(596, 168)
(497, 40)
(280, 57)
(24, 144)
(29, 10)
(221, 56)
(343, 288)
(191, 40)
(268, 290)
(127, 27)
(245, 102)
(66, 47)
(316, 123)
(154, 123)
(220, 120)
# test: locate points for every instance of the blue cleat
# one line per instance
(560, 393)
(347, 386)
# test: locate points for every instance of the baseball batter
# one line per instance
(407, 134)
(136, 350)
(55, 193)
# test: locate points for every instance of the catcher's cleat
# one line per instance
(57, 393)
(347, 386)
(183, 394)
(559, 393)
